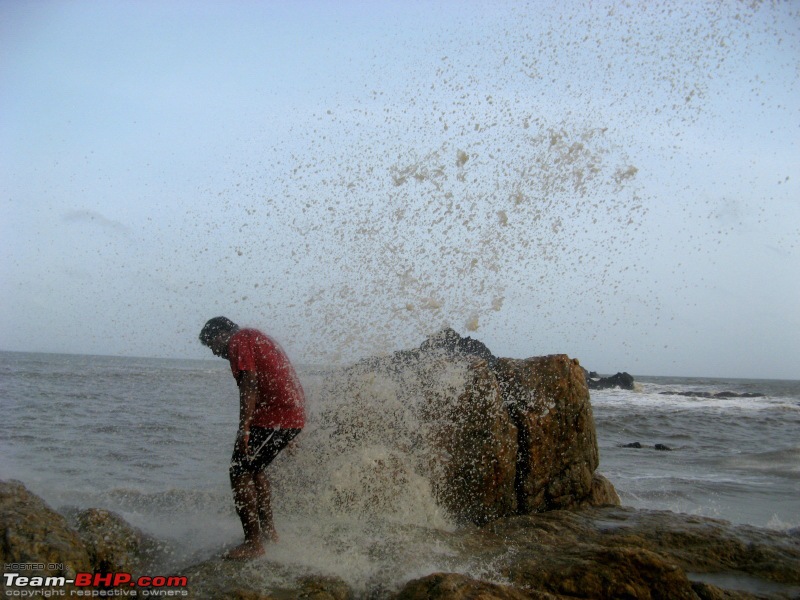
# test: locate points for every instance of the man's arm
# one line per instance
(248, 395)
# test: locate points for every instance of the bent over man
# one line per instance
(271, 414)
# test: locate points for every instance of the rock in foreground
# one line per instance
(613, 552)
(600, 553)
(34, 533)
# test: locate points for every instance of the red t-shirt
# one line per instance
(281, 401)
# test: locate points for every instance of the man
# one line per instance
(271, 414)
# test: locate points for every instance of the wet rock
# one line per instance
(598, 572)
(34, 533)
(113, 544)
(600, 553)
(478, 440)
(455, 446)
(622, 381)
(639, 446)
(614, 552)
(557, 450)
(446, 342)
(451, 586)
(691, 394)
(706, 591)
(511, 437)
(602, 493)
(259, 579)
(632, 445)
(451, 342)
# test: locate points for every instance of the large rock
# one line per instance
(113, 544)
(34, 533)
(478, 440)
(557, 452)
(100, 542)
(499, 436)
(612, 552)
(439, 422)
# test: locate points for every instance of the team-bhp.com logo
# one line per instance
(94, 585)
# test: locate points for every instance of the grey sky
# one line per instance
(614, 182)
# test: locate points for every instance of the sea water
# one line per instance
(151, 440)
(734, 458)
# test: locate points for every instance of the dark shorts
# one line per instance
(264, 445)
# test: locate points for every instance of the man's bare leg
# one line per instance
(264, 501)
(246, 502)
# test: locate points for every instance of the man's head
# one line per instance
(216, 334)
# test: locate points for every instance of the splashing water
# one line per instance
(489, 182)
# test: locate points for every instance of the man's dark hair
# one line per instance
(215, 326)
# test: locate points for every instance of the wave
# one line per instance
(783, 461)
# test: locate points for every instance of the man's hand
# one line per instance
(242, 442)
(248, 396)
(291, 448)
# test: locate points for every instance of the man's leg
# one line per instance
(264, 500)
(267, 443)
(246, 501)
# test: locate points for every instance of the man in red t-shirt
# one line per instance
(271, 414)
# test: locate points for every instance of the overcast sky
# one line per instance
(619, 183)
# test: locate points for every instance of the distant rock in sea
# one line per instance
(623, 381)
(639, 445)
(714, 395)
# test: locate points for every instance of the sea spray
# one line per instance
(357, 497)
(369, 450)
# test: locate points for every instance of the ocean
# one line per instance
(151, 440)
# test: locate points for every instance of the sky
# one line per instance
(615, 181)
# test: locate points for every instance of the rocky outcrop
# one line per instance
(476, 480)
(600, 553)
(113, 544)
(446, 342)
(713, 395)
(93, 540)
(638, 445)
(233, 580)
(453, 586)
(557, 452)
(494, 437)
(450, 342)
(517, 437)
(623, 381)
(613, 552)
(33, 533)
